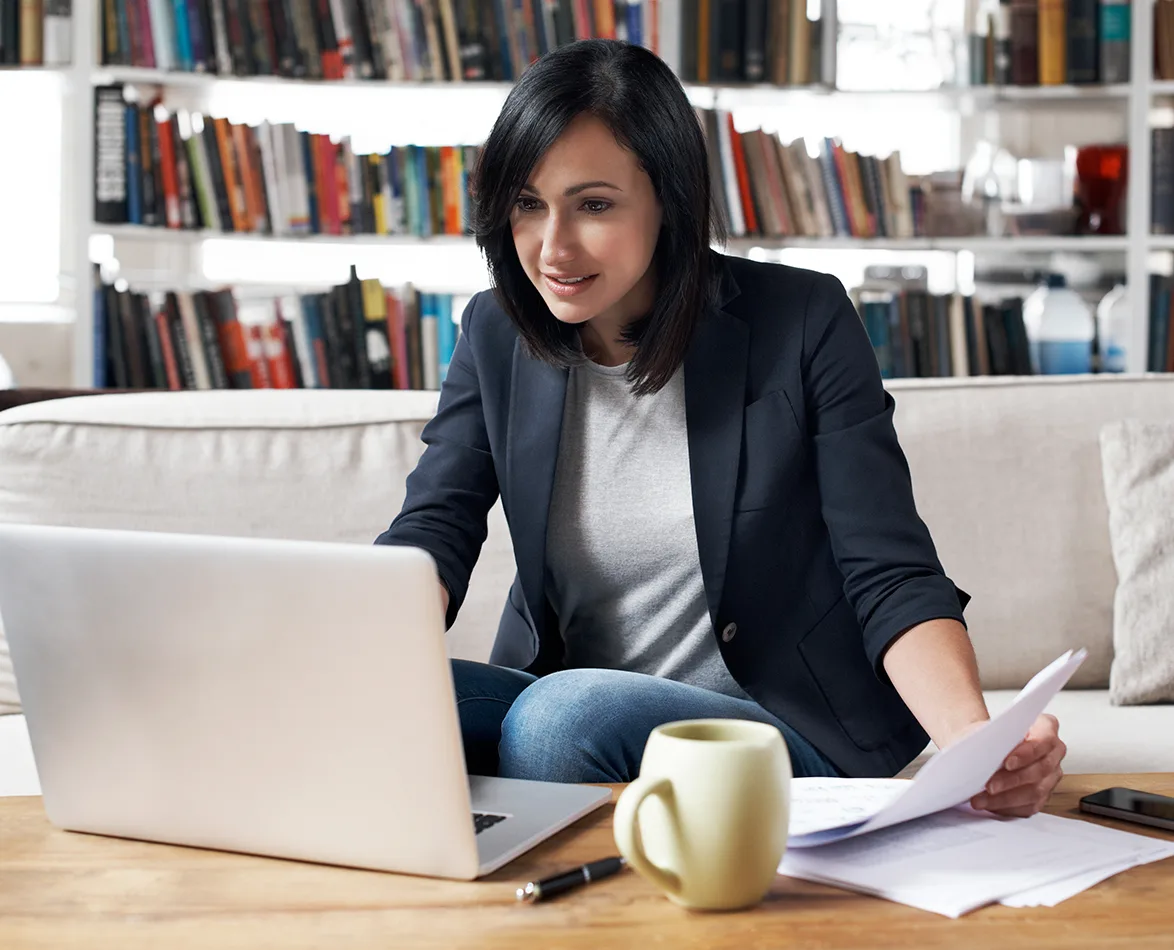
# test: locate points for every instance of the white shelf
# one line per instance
(1041, 244)
(1162, 87)
(1160, 242)
(138, 232)
(1024, 244)
(745, 92)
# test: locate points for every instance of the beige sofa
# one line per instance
(1006, 473)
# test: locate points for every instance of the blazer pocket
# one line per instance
(773, 453)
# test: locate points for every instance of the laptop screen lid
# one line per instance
(286, 698)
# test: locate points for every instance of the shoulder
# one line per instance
(780, 301)
(486, 325)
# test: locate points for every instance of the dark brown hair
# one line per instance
(637, 96)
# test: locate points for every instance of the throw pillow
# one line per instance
(1138, 466)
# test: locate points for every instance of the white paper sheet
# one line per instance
(960, 771)
(954, 861)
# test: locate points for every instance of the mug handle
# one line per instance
(626, 828)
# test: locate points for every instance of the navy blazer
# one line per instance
(812, 553)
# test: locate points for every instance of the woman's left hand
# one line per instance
(1029, 774)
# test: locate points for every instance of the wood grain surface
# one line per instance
(64, 890)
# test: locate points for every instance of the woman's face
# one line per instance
(585, 227)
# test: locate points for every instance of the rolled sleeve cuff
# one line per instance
(915, 602)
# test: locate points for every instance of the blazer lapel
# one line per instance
(538, 392)
(715, 392)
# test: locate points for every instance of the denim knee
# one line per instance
(565, 727)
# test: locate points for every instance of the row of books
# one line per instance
(703, 40)
(35, 32)
(1160, 338)
(919, 334)
(357, 335)
(182, 170)
(771, 189)
(1050, 42)
(363, 39)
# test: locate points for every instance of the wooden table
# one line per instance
(62, 890)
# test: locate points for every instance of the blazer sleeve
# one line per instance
(454, 485)
(892, 575)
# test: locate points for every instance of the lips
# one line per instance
(568, 285)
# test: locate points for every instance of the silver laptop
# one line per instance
(283, 698)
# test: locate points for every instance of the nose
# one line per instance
(557, 241)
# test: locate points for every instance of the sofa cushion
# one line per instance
(1100, 737)
(1007, 475)
(1139, 483)
(317, 465)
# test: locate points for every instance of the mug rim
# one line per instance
(755, 730)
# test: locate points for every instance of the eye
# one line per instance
(526, 204)
(596, 205)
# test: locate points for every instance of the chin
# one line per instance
(566, 311)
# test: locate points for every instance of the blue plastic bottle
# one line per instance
(1060, 328)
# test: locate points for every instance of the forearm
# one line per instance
(933, 668)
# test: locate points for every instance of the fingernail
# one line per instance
(1012, 763)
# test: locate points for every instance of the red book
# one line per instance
(855, 226)
(327, 181)
(170, 364)
(743, 178)
(278, 361)
(258, 365)
(233, 347)
(397, 337)
(170, 171)
(146, 40)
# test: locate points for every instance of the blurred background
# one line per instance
(203, 193)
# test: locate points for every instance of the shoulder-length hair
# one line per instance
(637, 96)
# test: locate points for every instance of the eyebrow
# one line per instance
(576, 189)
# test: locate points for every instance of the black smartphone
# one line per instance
(1128, 804)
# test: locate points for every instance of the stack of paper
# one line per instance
(919, 843)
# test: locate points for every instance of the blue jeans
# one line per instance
(588, 725)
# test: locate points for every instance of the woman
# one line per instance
(710, 512)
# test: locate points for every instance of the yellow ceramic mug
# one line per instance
(706, 821)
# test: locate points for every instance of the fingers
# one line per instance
(1024, 792)
(1044, 733)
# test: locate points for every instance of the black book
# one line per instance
(755, 41)
(1016, 332)
(256, 27)
(155, 358)
(308, 60)
(364, 51)
(898, 336)
(239, 37)
(153, 211)
(179, 343)
(337, 345)
(110, 183)
(117, 375)
(564, 22)
(973, 365)
(132, 346)
(941, 323)
(288, 337)
(1162, 178)
(354, 292)
(690, 13)
(717, 185)
(216, 173)
(210, 335)
(202, 16)
(471, 39)
(725, 40)
(10, 32)
(998, 345)
(281, 15)
(1083, 41)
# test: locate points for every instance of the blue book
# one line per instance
(831, 184)
(183, 40)
(446, 333)
(99, 324)
(410, 184)
(134, 167)
(636, 22)
(307, 142)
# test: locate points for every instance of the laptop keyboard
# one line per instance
(481, 822)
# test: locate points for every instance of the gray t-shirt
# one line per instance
(623, 572)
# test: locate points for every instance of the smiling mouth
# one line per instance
(569, 281)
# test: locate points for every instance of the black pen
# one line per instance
(550, 886)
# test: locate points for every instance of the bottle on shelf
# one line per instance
(1060, 329)
(1113, 319)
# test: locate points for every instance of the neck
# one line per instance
(602, 335)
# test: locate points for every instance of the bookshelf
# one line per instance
(186, 90)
